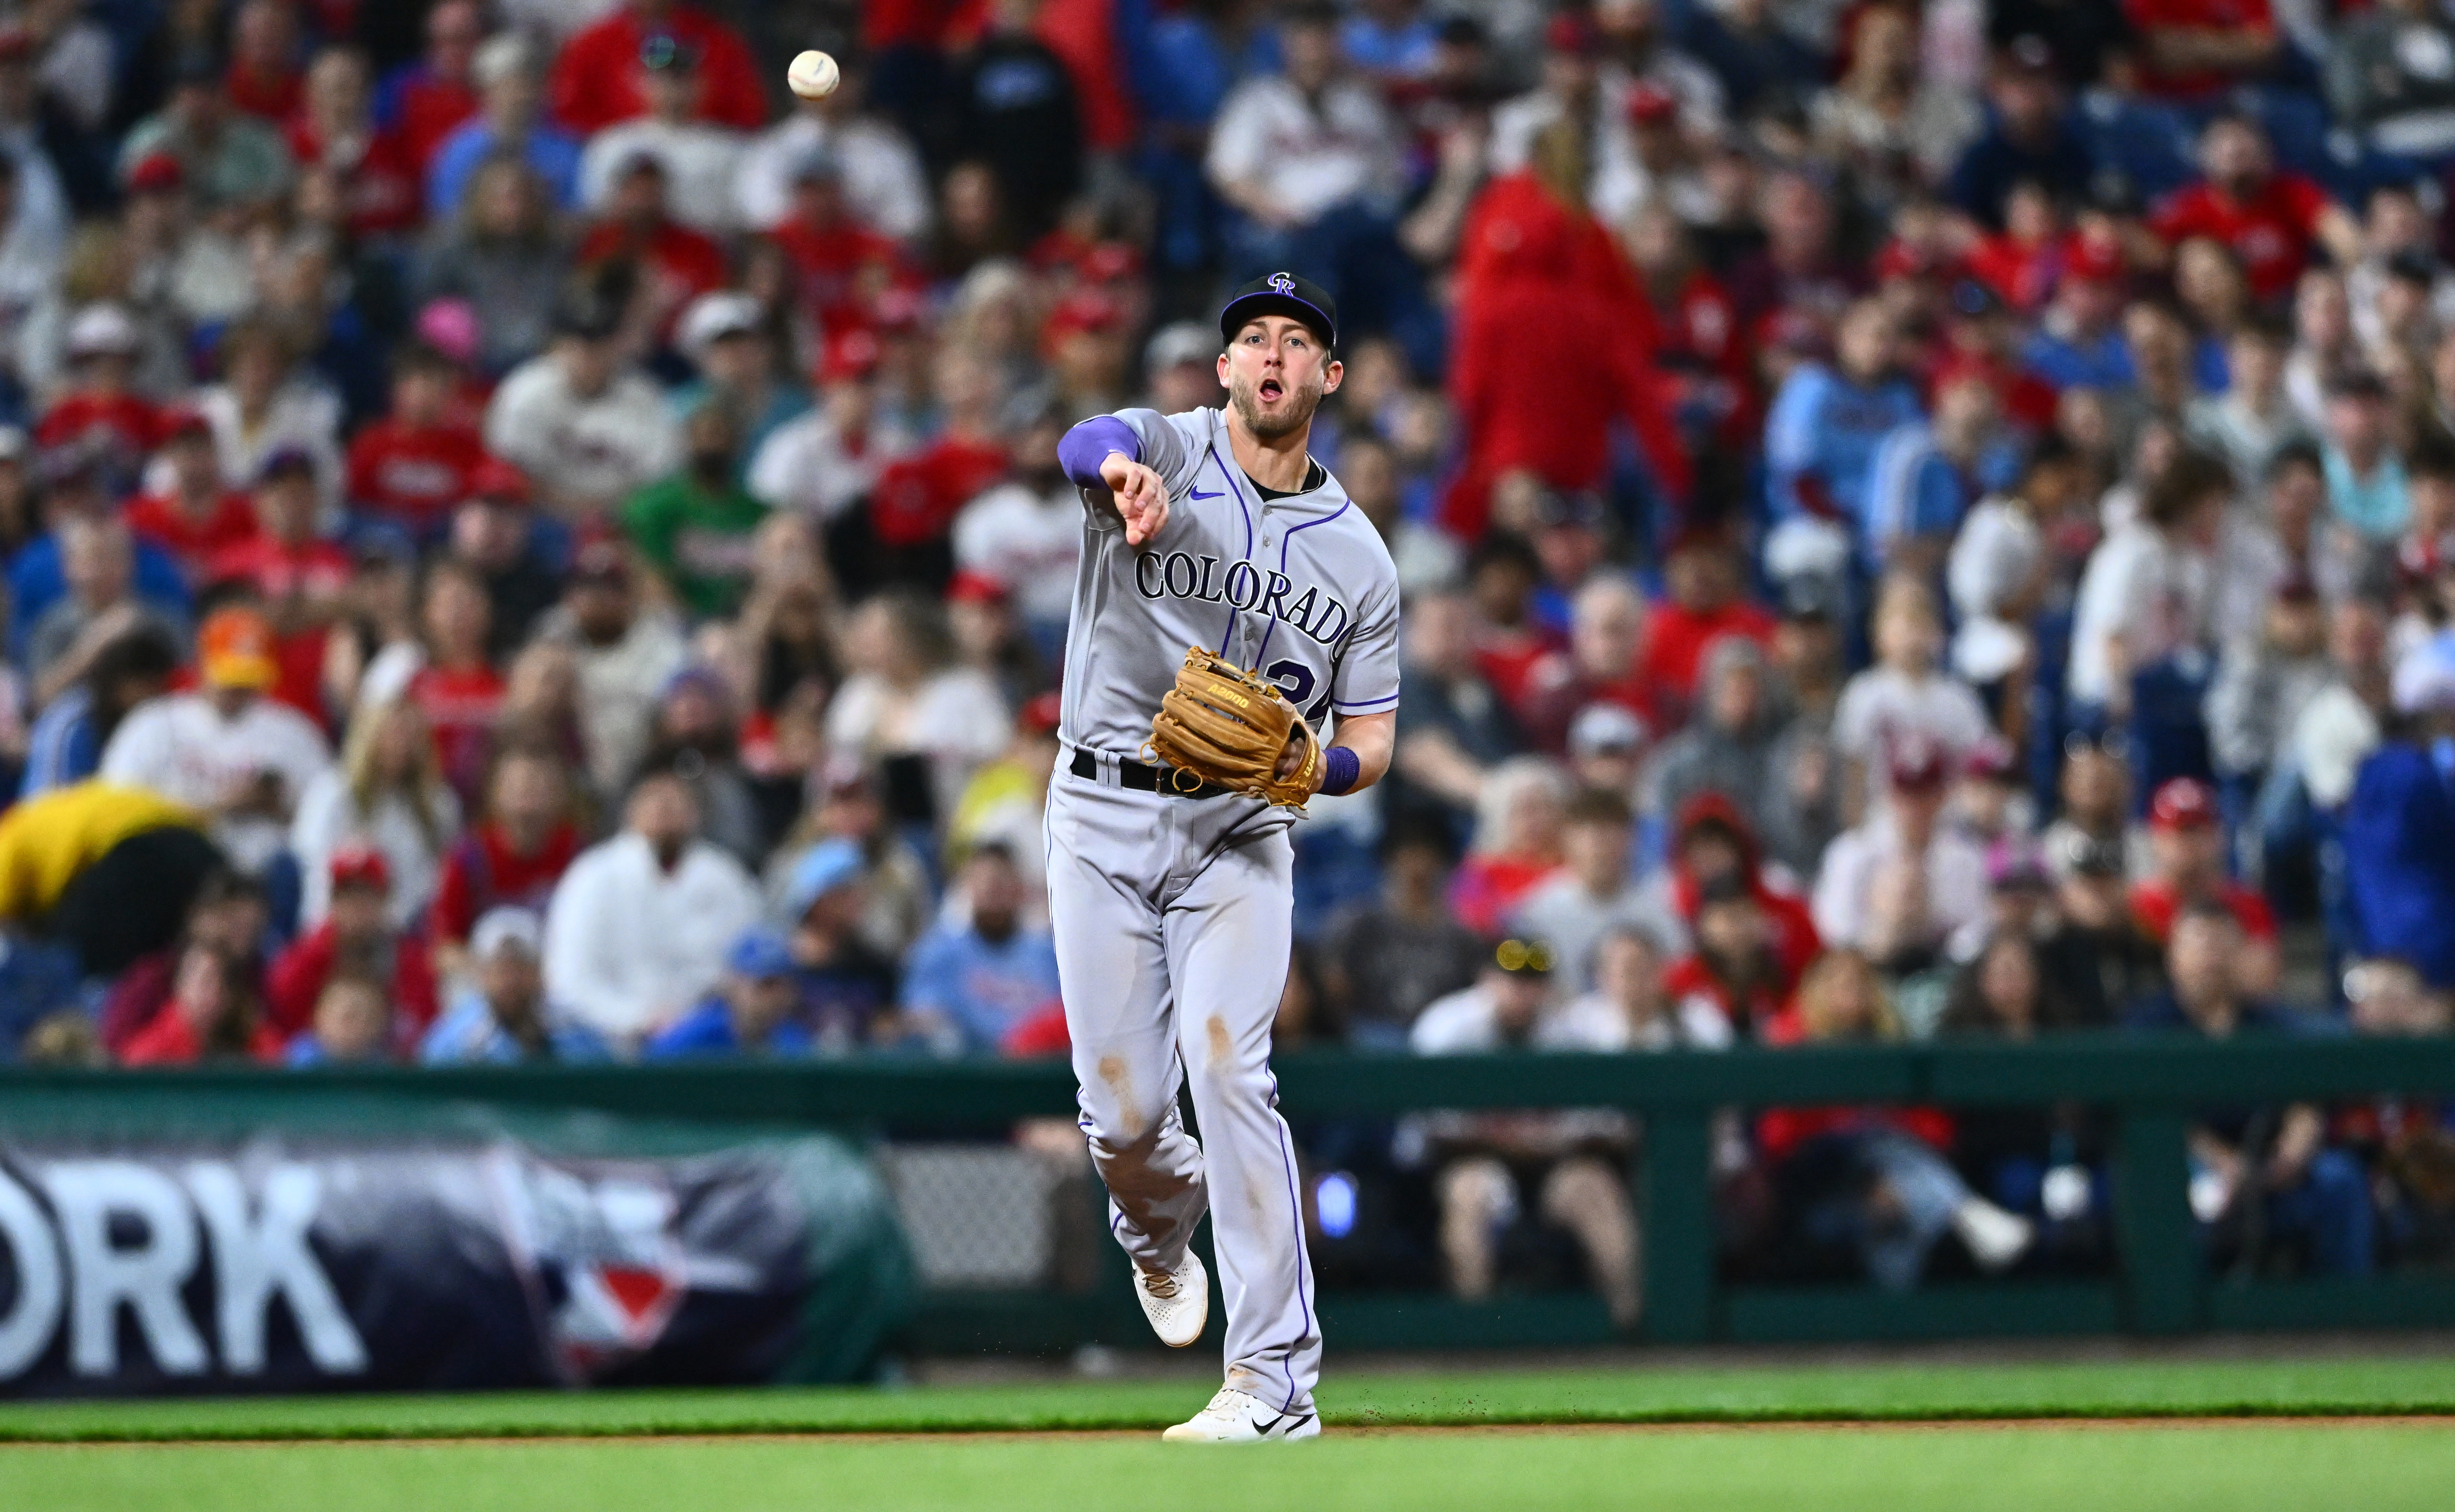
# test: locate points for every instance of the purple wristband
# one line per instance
(1342, 767)
(1088, 445)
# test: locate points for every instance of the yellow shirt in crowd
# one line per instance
(46, 841)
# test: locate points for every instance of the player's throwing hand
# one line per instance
(1142, 498)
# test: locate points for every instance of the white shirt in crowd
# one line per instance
(1617, 182)
(1305, 159)
(1994, 559)
(700, 162)
(1468, 1022)
(1885, 707)
(305, 414)
(806, 466)
(1030, 542)
(183, 748)
(1846, 891)
(883, 182)
(957, 718)
(601, 448)
(2156, 597)
(629, 944)
(618, 684)
(329, 817)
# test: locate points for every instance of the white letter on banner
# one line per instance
(252, 1262)
(27, 1329)
(85, 1194)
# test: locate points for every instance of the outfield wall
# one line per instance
(937, 1132)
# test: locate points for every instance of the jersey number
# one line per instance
(1294, 678)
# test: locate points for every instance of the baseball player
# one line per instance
(1169, 886)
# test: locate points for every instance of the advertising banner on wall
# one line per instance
(282, 1265)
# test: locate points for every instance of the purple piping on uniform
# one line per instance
(1228, 475)
(1359, 708)
(1288, 1161)
(1286, 541)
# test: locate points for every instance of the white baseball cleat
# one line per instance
(1177, 1302)
(1239, 1417)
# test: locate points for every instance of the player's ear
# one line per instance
(1223, 366)
(1331, 375)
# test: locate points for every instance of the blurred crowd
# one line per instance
(525, 543)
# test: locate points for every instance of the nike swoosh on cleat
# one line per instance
(1293, 1423)
(1196, 492)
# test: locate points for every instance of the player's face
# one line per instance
(1276, 371)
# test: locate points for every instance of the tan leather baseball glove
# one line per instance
(1228, 726)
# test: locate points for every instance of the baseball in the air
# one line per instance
(814, 75)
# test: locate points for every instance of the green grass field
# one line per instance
(1703, 1456)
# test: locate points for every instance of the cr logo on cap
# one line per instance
(1282, 284)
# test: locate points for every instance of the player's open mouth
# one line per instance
(1270, 390)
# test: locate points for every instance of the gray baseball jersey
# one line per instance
(1172, 914)
(1300, 587)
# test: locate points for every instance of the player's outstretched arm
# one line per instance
(1104, 451)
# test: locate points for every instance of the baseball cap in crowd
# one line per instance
(1083, 310)
(156, 174)
(101, 329)
(1573, 31)
(1605, 728)
(507, 928)
(759, 954)
(1915, 766)
(850, 356)
(1992, 759)
(1811, 595)
(361, 865)
(2423, 681)
(2013, 865)
(285, 461)
(235, 650)
(1282, 294)
(495, 481)
(600, 564)
(504, 55)
(1652, 105)
(823, 868)
(2095, 262)
(449, 325)
(1523, 958)
(971, 587)
(1176, 345)
(711, 318)
(2182, 804)
(1041, 712)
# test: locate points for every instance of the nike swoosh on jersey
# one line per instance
(1195, 493)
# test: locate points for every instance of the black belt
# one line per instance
(1143, 778)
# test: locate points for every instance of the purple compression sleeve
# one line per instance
(1344, 766)
(1088, 445)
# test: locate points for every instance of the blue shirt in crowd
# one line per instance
(984, 989)
(554, 155)
(63, 747)
(466, 1034)
(1821, 438)
(707, 1030)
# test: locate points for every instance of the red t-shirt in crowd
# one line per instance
(841, 270)
(123, 422)
(226, 524)
(681, 264)
(2269, 233)
(2155, 903)
(170, 1042)
(1689, 977)
(460, 705)
(427, 108)
(414, 476)
(482, 872)
(301, 972)
(1082, 34)
(917, 498)
(274, 97)
(596, 80)
(1487, 889)
(381, 181)
(933, 24)
(1675, 640)
(2147, 16)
